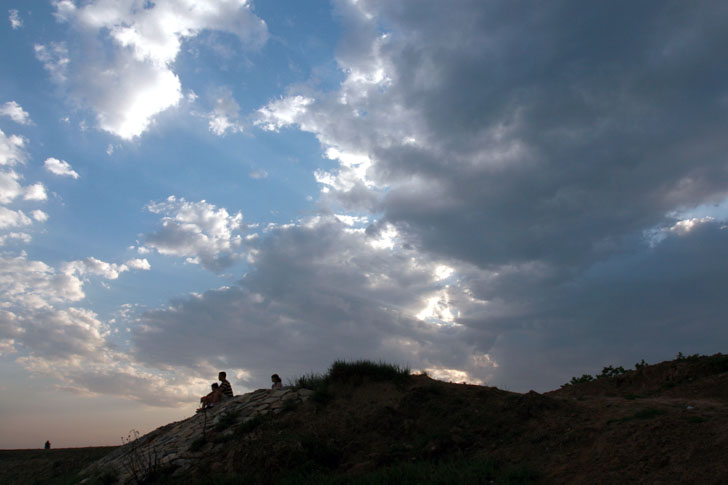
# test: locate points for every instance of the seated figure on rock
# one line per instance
(276, 380)
(211, 399)
(226, 390)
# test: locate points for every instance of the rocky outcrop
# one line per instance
(181, 444)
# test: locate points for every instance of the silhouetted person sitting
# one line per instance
(276, 380)
(226, 390)
(47, 445)
(212, 398)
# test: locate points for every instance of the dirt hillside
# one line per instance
(663, 423)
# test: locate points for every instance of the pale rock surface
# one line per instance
(170, 445)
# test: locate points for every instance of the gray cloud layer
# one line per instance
(536, 148)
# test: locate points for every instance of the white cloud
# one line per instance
(225, 116)
(72, 344)
(35, 192)
(15, 112)
(686, 225)
(55, 334)
(54, 58)
(20, 236)
(65, 9)
(283, 112)
(138, 82)
(102, 371)
(34, 284)
(197, 231)
(94, 266)
(10, 188)
(60, 167)
(39, 215)
(11, 218)
(258, 173)
(11, 149)
(138, 264)
(15, 21)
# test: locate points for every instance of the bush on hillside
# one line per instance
(361, 370)
(610, 371)
(353, 373)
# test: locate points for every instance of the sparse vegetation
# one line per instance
(362, 370)
(54, 467)
(141, 462)
(610, 371)
(383, 425)
(582, 379)
(352, 373)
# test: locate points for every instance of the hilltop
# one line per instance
(374, 423)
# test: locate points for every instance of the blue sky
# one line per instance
(495, 192)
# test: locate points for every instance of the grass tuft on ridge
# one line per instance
(354, 373)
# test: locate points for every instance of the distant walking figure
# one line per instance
(47, 445)
(276, 380)
(225, 388)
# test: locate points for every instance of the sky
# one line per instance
(507, 193)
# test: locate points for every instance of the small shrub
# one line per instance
(353, 373)
(360, 370)
(311, 381)
(610, 371)
(641, 364)
(142, 463)
(582, 379)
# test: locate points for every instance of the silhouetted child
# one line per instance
(276, 380)
(212, 398)
(226, 390)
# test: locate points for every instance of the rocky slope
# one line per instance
(179, 447)
(663, 423)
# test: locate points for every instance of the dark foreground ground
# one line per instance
(53, 467)
(662, 423)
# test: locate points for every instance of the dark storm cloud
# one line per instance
(647, 303)
(536, 148)
(553, 129)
